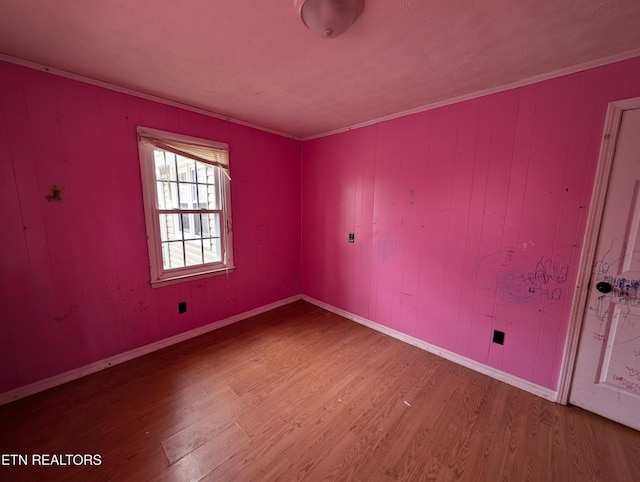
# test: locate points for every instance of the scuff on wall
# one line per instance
(55, 192)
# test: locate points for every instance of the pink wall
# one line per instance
(468, 218)
(75, 274)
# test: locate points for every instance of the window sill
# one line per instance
(170, 280)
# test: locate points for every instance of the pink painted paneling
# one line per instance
(75, 273)
(470, 218)
(467, 218)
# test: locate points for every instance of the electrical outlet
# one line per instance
(352, 237)
(498, 337)
(182, 307)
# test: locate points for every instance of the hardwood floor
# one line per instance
(301, 394)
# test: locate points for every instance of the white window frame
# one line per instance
(148, 140)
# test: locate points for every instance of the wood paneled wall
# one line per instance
(75, 273)
(467, 219)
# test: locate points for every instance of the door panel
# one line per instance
(607, 373)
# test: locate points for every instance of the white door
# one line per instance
(606, 379)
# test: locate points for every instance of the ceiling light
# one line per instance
(328, 18)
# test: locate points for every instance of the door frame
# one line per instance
(592, 232)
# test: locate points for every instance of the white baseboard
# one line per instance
(448, 355)
(71, 375)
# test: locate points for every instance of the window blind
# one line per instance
(208, 154)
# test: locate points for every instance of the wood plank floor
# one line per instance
(301, 394)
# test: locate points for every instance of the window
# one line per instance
(186, 188)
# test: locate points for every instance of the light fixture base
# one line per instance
(328, 18)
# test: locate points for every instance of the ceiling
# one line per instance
(254, 61)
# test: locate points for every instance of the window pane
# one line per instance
(189, 226)
(205, 173)
(193, 251)
(175, 201)
(188, 198)
(161, 199)
(186, 169)
(172, 255)
(170, 227)
(212, 250)
(212, 222)
(214, 225)
(167, 193)
(207, 196)
(165, 165)
(209, 225)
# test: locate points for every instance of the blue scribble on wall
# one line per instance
(544, 283)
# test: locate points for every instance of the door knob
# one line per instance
(603, 287)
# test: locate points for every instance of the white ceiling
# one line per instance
(254, 61)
